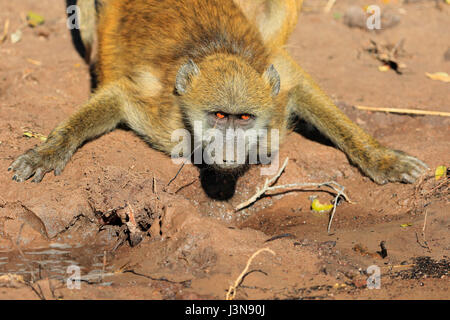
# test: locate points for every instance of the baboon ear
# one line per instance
(184, 76)
(273, 78)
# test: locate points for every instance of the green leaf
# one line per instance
(34, 19)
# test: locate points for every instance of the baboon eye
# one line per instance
(245, 116)
(220, 115)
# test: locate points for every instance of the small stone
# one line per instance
(389, 19)
(355, 17)
(447, 55)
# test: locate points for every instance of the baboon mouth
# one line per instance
(229, 165)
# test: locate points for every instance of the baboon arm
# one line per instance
(100, 114)
(307, 101)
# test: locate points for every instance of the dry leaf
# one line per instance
(440, 76)
(11, 280)
(384, 68)
(389, 55)
(406, 225)
(35, 62)
(16, 36)
(35, 135)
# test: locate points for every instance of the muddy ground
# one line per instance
(194, 247)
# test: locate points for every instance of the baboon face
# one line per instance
(228, 106)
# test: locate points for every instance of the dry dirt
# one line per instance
(194, 247)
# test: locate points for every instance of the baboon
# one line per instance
(163, 65)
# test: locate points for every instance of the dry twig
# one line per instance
(423, 232)
(5, 31)
(232, 290)
(405, 111)
(337, 188)
(104, 265)
(424, 223)
(264, 189)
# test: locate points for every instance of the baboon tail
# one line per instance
(275, 19)
(280, 20)
(84, 34)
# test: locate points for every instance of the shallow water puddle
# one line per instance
(58, 261)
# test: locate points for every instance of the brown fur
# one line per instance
(143, 45)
